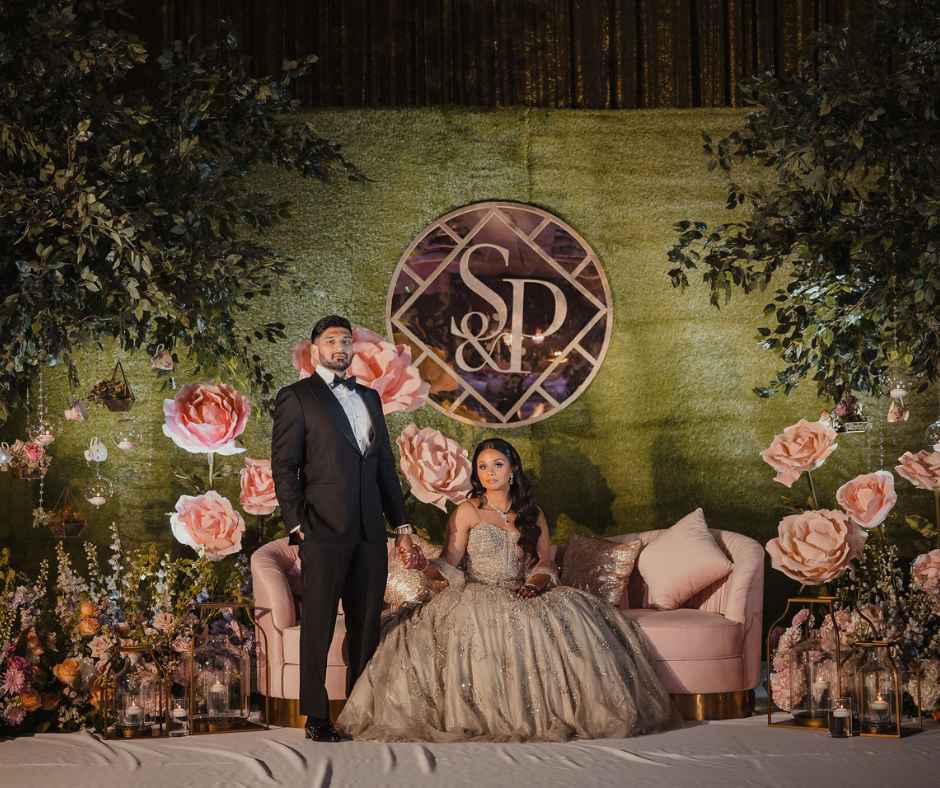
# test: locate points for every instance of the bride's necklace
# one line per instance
(503, 514)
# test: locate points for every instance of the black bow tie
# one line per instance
(349, 382)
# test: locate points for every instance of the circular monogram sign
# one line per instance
(507, 311)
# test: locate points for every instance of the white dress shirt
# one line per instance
(355, 409)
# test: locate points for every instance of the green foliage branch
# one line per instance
(124, 209)
(843, 212)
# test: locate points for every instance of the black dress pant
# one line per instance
(356, 573)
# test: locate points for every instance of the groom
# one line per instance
(335, 477)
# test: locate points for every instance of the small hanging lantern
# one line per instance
(65, 521)
(126, 436)
(898, 390)
(99, 491)
(847, 416)
(114, 393)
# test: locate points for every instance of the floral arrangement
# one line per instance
(28, 459)
(60, 640)
(880, 595)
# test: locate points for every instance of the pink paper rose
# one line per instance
(257, 487)
(803, 446)
(869, 498)
(209, 524)
(925, 572)
(921, 469)
(206, 417)
(387, 369)
(436, 467)
(816, 546)
(378, 364)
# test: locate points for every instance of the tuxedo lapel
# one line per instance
(322, 390)
(375, 414)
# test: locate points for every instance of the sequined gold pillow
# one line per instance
(599, 566)
(408, 586)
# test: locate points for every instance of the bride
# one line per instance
(503, 653)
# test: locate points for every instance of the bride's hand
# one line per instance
(531, 589)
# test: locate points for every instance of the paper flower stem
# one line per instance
(936, 513)
(812, 489)
(211, 467)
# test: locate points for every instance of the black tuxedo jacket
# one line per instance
(323, 482)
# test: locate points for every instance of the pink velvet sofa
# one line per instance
(707, 650)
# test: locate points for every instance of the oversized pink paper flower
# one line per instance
(387, 369)
(206, 417)
(436, 467)
(378, 364)
(803, 446)
(869, 498)
(257, 487)
(209, 524)
(921, 469)
(816, 546)
(925, 572)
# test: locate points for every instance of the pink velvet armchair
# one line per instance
(707, 652)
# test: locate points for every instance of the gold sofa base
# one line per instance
(285, 712)
(715, 705)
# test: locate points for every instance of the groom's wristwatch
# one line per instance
(404, 529)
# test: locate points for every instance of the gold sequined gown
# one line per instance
(477, 663)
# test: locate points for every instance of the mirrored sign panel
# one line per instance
(507, 311)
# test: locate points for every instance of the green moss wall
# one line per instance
(668, 424)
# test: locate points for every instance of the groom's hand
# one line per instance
(409, 554)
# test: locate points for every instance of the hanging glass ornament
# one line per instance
(126, 436)
(41, 431)
(898, 390)
(99, 491)
(6, 457)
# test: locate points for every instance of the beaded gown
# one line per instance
(478, 663)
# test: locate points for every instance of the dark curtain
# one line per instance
(596, 54)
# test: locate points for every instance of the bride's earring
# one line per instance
(512, 478)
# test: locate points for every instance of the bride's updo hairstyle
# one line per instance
(521, 500)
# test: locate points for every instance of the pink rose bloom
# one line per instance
(378, 364)
(803, 446)
(436, 467)
(208, 524)
(257, 487)
(925, 572)
(34, 451)
(921, 469)
(206, 417)
(100, 646)
(164, 622)
(847, 621)
(387, 369)
(816, 546)
(868, 498)
(304, 357)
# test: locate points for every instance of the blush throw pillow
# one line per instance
(681, 562)
(599, 566)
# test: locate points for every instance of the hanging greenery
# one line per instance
(846, 224)
(124, 209)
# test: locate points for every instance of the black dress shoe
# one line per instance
(323, 731)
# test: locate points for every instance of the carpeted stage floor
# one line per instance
(733, 753)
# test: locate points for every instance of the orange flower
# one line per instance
(30, 700)
(67, 671)
(88, 626)
(87, 608)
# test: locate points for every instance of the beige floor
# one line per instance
(733, 753)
